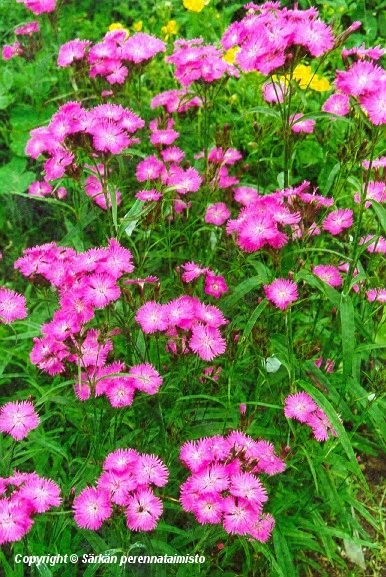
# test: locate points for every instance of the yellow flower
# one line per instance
(170, 29)
(195, 5)
(306, 78)
(116, 26)
(137, 26)
(230, 55)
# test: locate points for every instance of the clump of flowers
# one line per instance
(191, 326)
(363, 82)
(73, 132)
(269, 37)
(197, 62)
(86, 282)
(115, 58)
(26, 44)
(22, 497)
(224, 486)
(126, 486)
(301, 407)
(18, 418)
(214, 285)
(176, 100)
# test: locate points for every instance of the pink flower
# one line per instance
(338, 104)
(12, 306)
(152, 317)
(302, 408)
(150, 470)
(150, 168)
(72, 51)
(361, 78)
(328, 274)
(263, 527)
(281, 292)
(11, 50)
(306, 125)
(217, 213)
(109, 137)
(143, 511)
(207, 342)
(101, 290)
(215, 285)
(41, 493)
(374, 104)
(39, 6)
(184, 181)
(338, 221)
(238, 516)
(274, 92)
(145, 378)
(91, 508)
(27, 29)
(191, 272)
(18, 419)
(15, 521)
(299, 406)
(151, 195)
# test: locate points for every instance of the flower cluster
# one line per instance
(12, 306)
(197, 62)
(269, 37)
(303, 408)
(18, 419)
(86, 282)
(364, 82)
(25, 45)
(224, 486)
(163, 173)
(22, 496)
(73, 131)
(117, 55)
(125, 486)
(191, 325)
(214, 285)
(176, 101)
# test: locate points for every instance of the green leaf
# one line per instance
(347, 335)
(283, 554)
(241, 290)
(380, 212)
(252, 320)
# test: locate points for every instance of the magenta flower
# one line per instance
(306, 125)
(152, 317)
(41, 493)
(217, 213)
(91, 508)
(15, 520)
(338, 104)
(146, 378)
(281, 292)
(207, 342)
(361, 78)
(143, 511)
(18, 419)
(328, 274)
(72, 51)
(303, 408)
(215, 286)
(39, 6)
(12, 306)
(338, 221)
